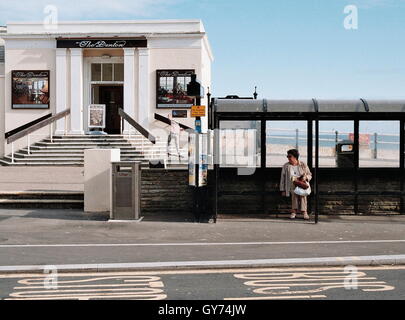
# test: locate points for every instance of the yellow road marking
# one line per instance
(279, 297)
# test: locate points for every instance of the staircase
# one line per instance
(68, 150)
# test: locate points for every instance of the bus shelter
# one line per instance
(354, 148)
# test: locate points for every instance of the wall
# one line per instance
(28, 55)
(168, 191)
(172, 59)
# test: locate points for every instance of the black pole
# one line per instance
(263, 162)
(216, 164)
(316, 170)
(402, 163)
(309, 154)
(356, 167)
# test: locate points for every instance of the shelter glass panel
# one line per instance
(336, 144)
(239, 144)
(379, 144)
(282, 136)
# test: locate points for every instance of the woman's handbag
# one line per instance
(303, 192)
(302, 184)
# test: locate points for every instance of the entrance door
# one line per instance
(112, 97)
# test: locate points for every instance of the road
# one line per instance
(321, 283)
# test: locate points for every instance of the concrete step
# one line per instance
(81, 136)
(42, 159)
(83, 140)
(29, 195)
(78, 152)
(41, 199)
(74, 147)
(92, 144)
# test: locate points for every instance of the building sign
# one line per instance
(197, 111)
(172, 88)
(101, 43)
(30, 89)
(179, 113)
(96, 116)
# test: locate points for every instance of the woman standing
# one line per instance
(292, 170)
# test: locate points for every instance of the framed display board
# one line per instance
(171, 89)
(96, 116)
(30, 89)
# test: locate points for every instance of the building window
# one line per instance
(118, 72)
(379, 144)
(282, 136)
(96, 72)
(107, 72)
(172, 88)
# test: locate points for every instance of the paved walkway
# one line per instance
(60, 237)
(50, 178)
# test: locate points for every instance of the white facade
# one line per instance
(170, 45)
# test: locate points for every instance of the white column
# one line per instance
(76, 91)
(143, 87)
(61, 87)
(129, 85)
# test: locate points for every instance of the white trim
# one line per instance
(203, 244)
(115, 26)
(317, 261)
(76, 91)
(129, 85)
(75, 22)
(61, 87)
(143, 87)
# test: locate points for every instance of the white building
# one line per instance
(140, 66)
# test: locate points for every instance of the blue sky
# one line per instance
(288, 48)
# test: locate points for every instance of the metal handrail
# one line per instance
(167, 121)
(25, 126)
(137, 126)
(34, 126)
(37, 126)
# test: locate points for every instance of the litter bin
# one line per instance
(126, 190)
(345, 154)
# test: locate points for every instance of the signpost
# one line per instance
(198, 155)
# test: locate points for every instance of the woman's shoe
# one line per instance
(306, 216)
(292, 216)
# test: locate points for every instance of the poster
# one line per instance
(172, 88)
(30, 89)
(203, 160)
(97, 116)
(191, 159)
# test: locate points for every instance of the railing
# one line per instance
(137, 126)
(167, 121)
(29, 128)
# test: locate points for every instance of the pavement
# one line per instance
(72, 240)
